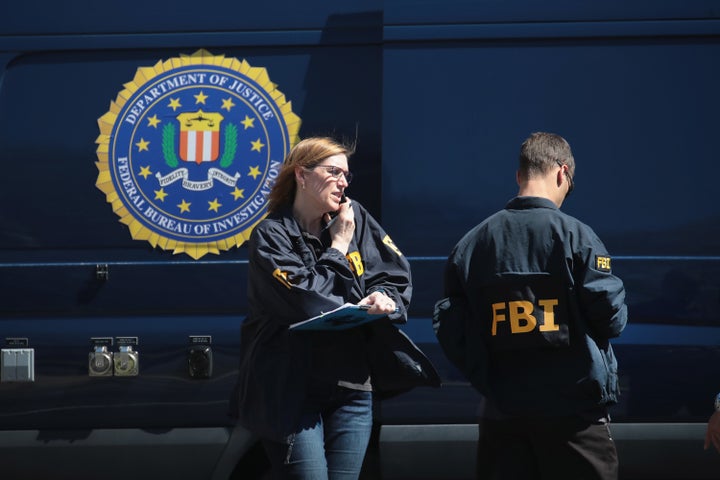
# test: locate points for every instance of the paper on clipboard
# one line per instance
(341, 318)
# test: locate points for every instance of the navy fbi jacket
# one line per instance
(292, 277)
(530, 306)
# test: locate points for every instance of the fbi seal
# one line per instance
(190, 149)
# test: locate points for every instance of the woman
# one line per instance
(308, 395)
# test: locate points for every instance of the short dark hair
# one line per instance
(542, 151)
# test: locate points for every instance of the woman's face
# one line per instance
(325, 183)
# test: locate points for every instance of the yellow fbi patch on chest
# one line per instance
(356, 263)
(602, 263)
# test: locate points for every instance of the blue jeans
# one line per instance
(330, 441)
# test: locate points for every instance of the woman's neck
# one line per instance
(308, 221)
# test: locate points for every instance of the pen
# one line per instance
(367, 307)
(327, 225)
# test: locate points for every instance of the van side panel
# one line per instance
(438, 95)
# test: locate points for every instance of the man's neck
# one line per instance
(541, 187)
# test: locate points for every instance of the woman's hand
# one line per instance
(343, 227)
(379, 303)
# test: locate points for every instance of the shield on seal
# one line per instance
(199, 136)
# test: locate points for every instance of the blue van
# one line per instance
(120, 349)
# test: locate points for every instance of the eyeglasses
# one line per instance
(335, 172)
(571, 183)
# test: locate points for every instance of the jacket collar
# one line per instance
(524, 203)
(287, 220)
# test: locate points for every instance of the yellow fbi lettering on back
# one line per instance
(282, 277)
(519, 313)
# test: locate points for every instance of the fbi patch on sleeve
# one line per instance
(602, 263)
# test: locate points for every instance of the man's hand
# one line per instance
(713, 432)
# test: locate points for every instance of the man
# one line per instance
(712, 434)
(530, 305)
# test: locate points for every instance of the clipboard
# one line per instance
(341, 318)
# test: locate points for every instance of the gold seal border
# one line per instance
(106, 123)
